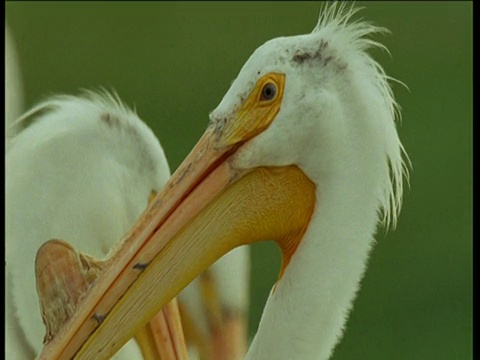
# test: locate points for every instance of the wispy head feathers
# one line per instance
(335, 21)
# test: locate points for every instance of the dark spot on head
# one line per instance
(106, 118)
(301, 58)
(327, 60)
(317, 55)
(109, 119)
(258, 72)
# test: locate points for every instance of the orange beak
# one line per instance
(206, 209)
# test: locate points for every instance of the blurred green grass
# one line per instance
(175, 61)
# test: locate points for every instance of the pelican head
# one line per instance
(303, 150)
(332, 111)
(336, 122)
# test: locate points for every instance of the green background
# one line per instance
(175, 61)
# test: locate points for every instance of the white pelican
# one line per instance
(219, 321)
(65, 178)
(54, 143)
(52, 158)
(302, 149)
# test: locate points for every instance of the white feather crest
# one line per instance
(336, 18)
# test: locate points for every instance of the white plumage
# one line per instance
(338, 119)
(334, 123)
(82, 172)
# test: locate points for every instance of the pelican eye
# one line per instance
(269, 92)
